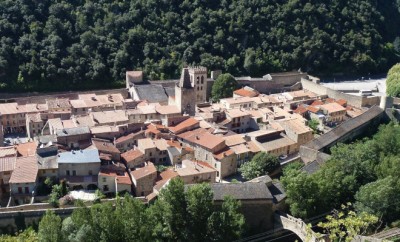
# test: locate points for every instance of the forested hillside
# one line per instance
(69, 44)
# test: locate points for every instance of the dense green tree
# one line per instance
(359, 172)
(393, 81)
(50, 227)
(261, 164)
(81, 44)
(223, 87)
(380, 198)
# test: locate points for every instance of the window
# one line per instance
(104, 179)
(90, 172)
(19, 189)
(26, 189)
(202, 79)
(44, 171)
(105, 188)
(74, 173)
(67, 172)
(150, 154)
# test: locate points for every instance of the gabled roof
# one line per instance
(105, 146)
(26, 149)
(72, 131)
(241, 191)
(25, 170)
(144, 171)
(203, 138)
(131, 155)
(153, 93)
(246, 93)
(184, 125)
(7, 163)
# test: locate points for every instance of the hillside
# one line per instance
(58, 45)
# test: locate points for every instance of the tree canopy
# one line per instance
(393, 81)
(223, 87)
(363, 172)
(179, 214)
(261, 164)
(58, 45)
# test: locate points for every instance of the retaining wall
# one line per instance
(357, 101)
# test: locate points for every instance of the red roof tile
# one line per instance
(312, 109)
(25, 170)
(27, 149)
(341, 102)
(317, 103)
(131, 155)
(144, 171)
(184, 126)
(246, 93)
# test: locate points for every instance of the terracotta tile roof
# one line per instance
(174, 143)
(105, 146)
(25, 170)
(7, 163)
(10, 108)
(26, 149)
(313, 109)
(235, 113)
(161, 144)
(110, 116)
(184, 126)
(332, 107)
(146, 143)
(170, 109)
(234, 140)
(130, 136)
(253, 147)
(78, 103)
(124, 180)
(164, 177)
(246, 93)
(131, 155)
(300, 109)
(202, 138)
(329, 100)
(8, 151)
(317, 103)
(224, 153)
(341, 102)
(144, 171)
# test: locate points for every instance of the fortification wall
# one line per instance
(357, 101)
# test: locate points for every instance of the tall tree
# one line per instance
(223, 87)
(261, 164)
(393, 81)
(50, 227)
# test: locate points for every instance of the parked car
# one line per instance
(282, 157)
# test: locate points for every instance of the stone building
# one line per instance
(23, 179)
(191, 89)
(196, 172)
(79, 168)
(144, 179)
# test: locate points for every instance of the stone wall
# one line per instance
(357, 101)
